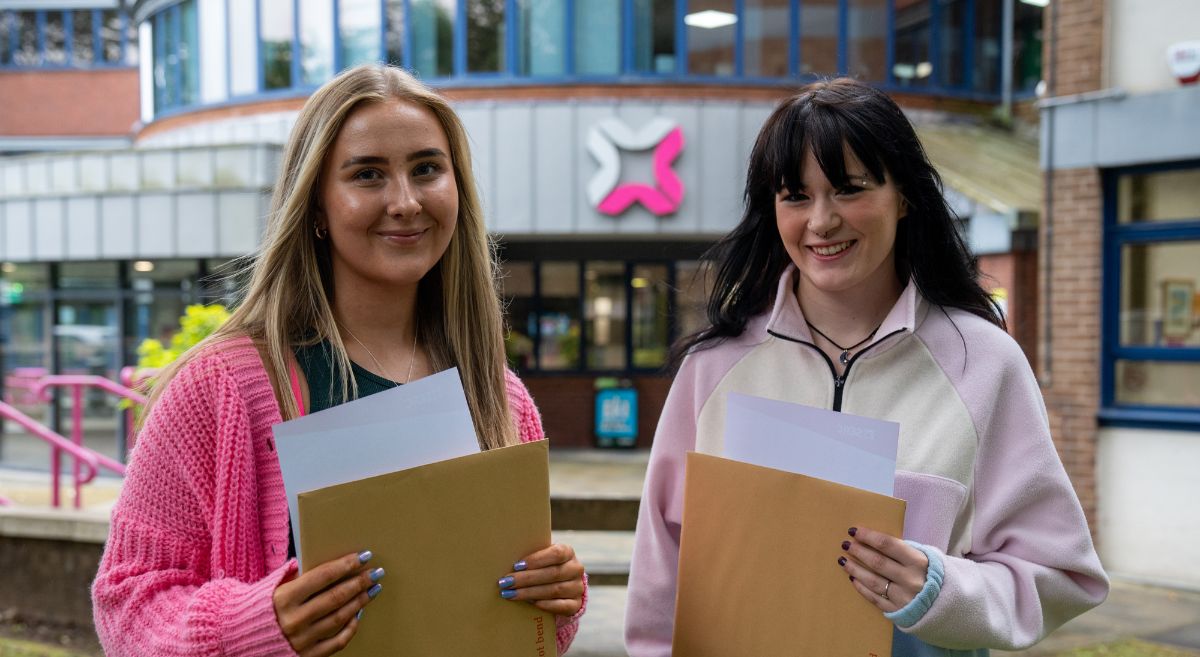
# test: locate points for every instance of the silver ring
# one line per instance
(885, 590)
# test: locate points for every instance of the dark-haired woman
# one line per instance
(847, 286)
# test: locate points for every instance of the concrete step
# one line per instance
(604, 554)
(599, 512)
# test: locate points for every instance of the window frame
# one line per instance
(1116, 236)
(10, 26)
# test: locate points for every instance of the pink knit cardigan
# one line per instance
(198, 540)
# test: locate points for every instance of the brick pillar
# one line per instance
(1069, 327)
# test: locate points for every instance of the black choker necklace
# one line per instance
(845, 357)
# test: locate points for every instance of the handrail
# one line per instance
(58, 444)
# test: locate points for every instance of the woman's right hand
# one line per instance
(319, 610)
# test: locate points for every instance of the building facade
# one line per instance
(609, 140)
(1120, 245)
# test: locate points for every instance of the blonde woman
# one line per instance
(375, 270)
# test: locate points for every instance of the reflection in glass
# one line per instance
(766, 36)
(953, 37)
(985, 74)
(1157, 383)
(1027, 46)
(604, 304)
(395, 31)
(7, 36)
(1161, 196)
(693, 283)
(316, 41)
(517, 292)
(88, 343)
(913, 66)
(83, 51)
(654, 36)
(651, 323)
(189, 58)
(26, 39)
(55, 44)
(110, 36)
(597, 37)
(276, 33)
(543, 41)
(359, 24)
(485, 36)
(867, 39)
(433, 37)
(711, 33)
(1160, 294)
(819, 37)
(559, 321)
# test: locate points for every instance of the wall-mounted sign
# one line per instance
(1184, 60)
(605, 141)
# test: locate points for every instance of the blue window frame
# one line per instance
(67, 39)
(1150, 370)
(176, 71)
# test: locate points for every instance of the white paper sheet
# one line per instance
(415, 424)
(846, 449)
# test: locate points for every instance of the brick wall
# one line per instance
(1069, 368)
(89, 103)
(567, 404)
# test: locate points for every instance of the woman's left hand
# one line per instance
(885, 570)
(549, 579)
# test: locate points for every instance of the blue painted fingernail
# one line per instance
(364, 556)
(508, 594)
(374, 591)
(519, 566)
(377, 574)
(506, 582)
(359, 614)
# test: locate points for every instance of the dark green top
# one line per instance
(324, 387)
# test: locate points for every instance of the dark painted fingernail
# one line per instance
(377, 574)
(519, 566)
(845, 545)
(364, 556)
(374, 591)
(359, 614)
(841, 561)
(852, 531)
(852, 578)
(508, 594)
(506, 582)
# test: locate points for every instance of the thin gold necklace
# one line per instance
(411, 359)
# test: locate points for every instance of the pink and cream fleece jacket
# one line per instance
(988, 498)
(199, 536)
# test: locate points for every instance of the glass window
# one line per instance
(597, 37)
(651, 319)
(224, 282)
(866, 37)
(189, 58)
(952, 33)
(162, 291)
(54, 51)
(24, 348)
(558, 323)
(605, 308)
(83, 50)
(432, 33)
(985, 77)
(1027, 46)
(276, 33)
(711, 35)
(485, 36)
(360, 24)
(1157, 383)
(26, 28)
(693, 283)
(766, 38)
(913, 66)
(164, 57)
(1160, 294)
(395, 31)
(517, 291)
(654, 36)
(819, 37)
(543, 40)
(316, 42)
(1162, 196)
(110, 36)
(89, 276)
(7, 37)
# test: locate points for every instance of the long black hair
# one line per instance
(824, 117)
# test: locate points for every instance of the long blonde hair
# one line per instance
(287, 302)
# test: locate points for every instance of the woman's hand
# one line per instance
(885, 570)
(319, 610)
(549, 579)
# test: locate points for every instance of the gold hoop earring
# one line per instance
(321, 234)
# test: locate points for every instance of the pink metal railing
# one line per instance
(84, 457)
(76, 383)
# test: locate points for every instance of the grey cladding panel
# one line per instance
(18, 230)
(83, 228)
(50, 237)
(589, 220)
(195, 227)
(513, 156)
(155, 226)
(554, 164)
(478, 123)
(117, 223)
(719, 193)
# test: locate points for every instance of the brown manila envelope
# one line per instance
(444, 533)
(758, 572)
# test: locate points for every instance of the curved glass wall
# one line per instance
(946, 47)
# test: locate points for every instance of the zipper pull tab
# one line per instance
(838, 381)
